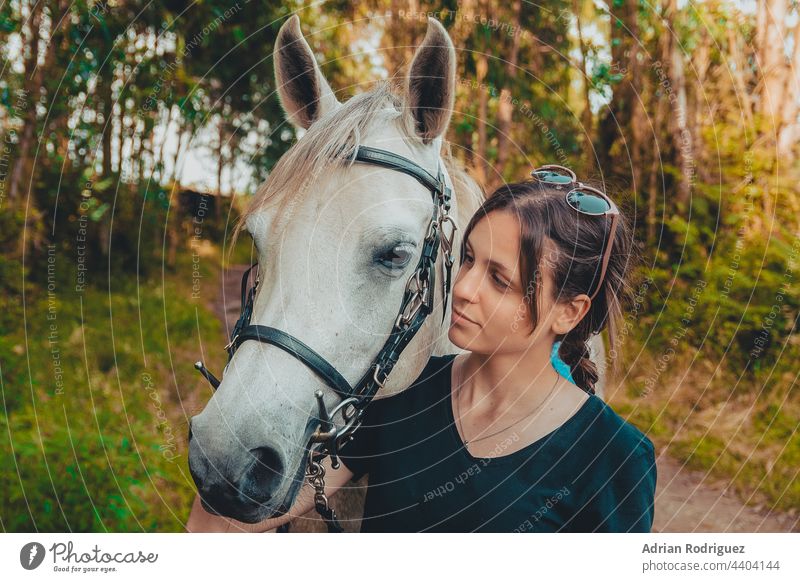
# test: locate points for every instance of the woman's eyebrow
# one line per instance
(499, 266)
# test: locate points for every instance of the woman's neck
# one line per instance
(501, 381)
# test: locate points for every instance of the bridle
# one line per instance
(415, 307)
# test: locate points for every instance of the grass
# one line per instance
(102, 446)
(742, 431)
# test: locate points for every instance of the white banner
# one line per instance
(379, 557)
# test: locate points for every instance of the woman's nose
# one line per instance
(466, 285)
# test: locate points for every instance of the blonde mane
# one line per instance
(328, 142)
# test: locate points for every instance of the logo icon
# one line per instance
(31, 555)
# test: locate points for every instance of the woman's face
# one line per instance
(488, 290)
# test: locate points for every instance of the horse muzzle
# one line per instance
(247, 486)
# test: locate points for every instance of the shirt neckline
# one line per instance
(524, 451)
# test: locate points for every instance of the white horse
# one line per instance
(336, 243)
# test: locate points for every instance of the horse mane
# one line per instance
(326, 144)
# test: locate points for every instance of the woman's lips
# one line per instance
(461, 317)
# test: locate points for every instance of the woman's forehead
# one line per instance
(498, 234)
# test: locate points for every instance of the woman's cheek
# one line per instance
(509, 317)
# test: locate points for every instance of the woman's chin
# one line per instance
(459, 337)
(454, 336)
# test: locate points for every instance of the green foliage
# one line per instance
(727, 273)
(93, 430)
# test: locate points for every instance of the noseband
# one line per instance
(415, 307)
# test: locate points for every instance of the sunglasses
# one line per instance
(584, 199)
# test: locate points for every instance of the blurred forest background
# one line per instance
(134, 132)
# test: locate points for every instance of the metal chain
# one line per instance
(315, 473)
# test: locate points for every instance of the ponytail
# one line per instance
(575, 353)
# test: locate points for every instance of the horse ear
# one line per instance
(304, 93)
(431, 82)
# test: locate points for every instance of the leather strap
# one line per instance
(292, 345)
(399, 163)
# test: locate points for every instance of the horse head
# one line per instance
(336, 242)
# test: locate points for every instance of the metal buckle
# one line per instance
(419, 297)
(447, 241)
(375, 376)
(434, 226)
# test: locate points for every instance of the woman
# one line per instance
(495, 439)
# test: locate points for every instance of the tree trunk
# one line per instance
(700, 63)
(680, 135)
(123, 110)
(772, 61)
(761, 25)
(22, 163)
(790, 131)
(33, 84)
(137, 146)
(106, 79)
(586, 114)
(655, 184)
(220, 163)
(159, 164)
(505, 107)
(615, 124)
(173, 181)
(637, 121)
(482, 167)
(145, 137)
(740, 66)
(220, 157)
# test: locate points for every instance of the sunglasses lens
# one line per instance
(588, 202)
(551, 177)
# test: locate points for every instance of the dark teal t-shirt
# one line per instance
(595, 473)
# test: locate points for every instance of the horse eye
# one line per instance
(395, 258)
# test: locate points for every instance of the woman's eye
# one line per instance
(467, 258)
(396, 258)
(502, 284)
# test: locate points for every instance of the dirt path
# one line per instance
(686, 500)
(227, 303)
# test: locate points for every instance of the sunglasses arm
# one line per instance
(607, 254)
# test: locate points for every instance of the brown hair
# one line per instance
(579, 243)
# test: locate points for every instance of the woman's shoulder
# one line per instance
(621, 438)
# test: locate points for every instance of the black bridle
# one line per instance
(416, 305)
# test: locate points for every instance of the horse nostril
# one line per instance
(267, 465)
(265, 474)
